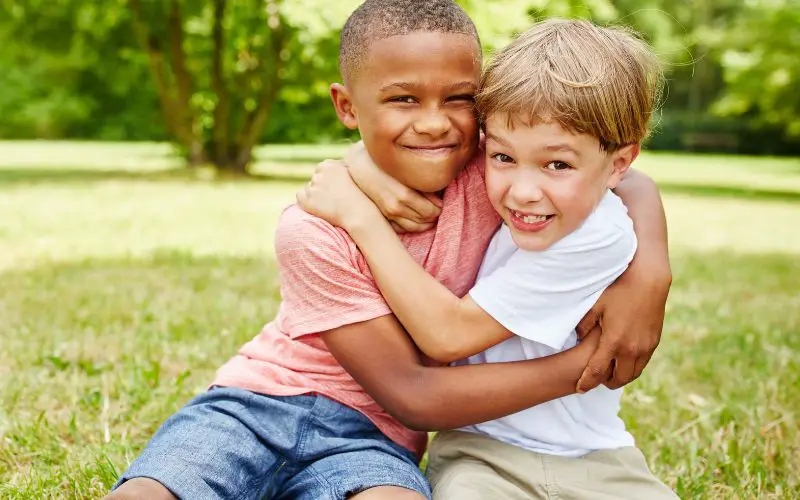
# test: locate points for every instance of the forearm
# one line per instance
(430, 312)
(382, 359)
(452, 397)
(640, 195)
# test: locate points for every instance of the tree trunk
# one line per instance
(196, 154)
(229, 148)
(175, 104)
(271, 64)
(221, 146)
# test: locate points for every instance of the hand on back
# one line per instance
(631, 315)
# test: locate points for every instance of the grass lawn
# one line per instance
(125, 284)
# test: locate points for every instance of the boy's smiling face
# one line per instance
(413, 103)
(545, 180)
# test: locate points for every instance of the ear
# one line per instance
(621, 161)
(343, 103)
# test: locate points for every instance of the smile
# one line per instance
(529, 222)
(431, 150)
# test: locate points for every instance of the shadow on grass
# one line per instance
(711, 191)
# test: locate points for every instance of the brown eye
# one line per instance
(403, 99)
(468, 98)
(558, 166)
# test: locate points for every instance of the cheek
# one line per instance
(466, 120)
(497, 185)
(389, 124)
(573, 200)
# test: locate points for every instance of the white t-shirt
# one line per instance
(541, 297)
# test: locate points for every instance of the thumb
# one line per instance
(597, 370)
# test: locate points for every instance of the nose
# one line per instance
(526, 187)
(433, 123)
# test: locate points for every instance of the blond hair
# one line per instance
(601, 81)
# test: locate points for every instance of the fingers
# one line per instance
(397, 228)
(302, 196)
(589, 321)
(409, 226)
(638, 367)
(405, 203)
(356, 153)
(641, 363)
(326, 164)
(434, 199)
(427, 210)
(623, 372)
(596, 371)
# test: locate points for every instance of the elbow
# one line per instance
(662, 278)
(445, 353)
(419, 416)
(448, 345)
(414, 406)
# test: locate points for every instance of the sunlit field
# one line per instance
(124, 283)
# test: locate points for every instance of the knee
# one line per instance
(141, 488)
(388, 493)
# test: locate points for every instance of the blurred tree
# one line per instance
(761, 65)
(219, 66)
(217, 76)
(213, 71)
(68, 67)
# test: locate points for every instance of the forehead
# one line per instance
(538, 135)
(423, 58)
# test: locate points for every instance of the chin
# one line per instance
(429, 185)
(428, 178)
(530, 244)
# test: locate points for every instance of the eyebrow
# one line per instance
(463, 86)
(491, 137)
(563, 148)
(560, 147)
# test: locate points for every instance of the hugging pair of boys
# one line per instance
(332, 399)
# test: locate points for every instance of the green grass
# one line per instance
(124, 284)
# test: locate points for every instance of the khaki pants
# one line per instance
(467, 466)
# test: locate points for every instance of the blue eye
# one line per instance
(558, 166)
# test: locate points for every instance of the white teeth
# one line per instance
(529, 219)
(532, 219)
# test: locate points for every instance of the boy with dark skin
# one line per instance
(320, 404)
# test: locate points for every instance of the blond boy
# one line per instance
(565, 109)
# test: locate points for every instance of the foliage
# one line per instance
(762, 70)
(74, 69)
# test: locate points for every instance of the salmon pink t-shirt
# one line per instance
(325, 284)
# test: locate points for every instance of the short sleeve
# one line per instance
(322, 286)
(542, 296)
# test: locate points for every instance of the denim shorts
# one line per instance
(233, 444)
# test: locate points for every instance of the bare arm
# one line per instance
(445, 327)
(406, 210)
(631, 311)
(382, 358)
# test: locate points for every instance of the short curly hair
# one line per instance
(379, 19)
